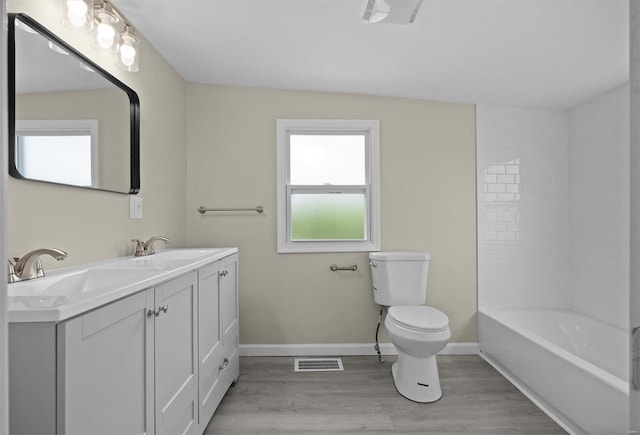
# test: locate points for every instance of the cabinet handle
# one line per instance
(157, 310)
(224, 365)
(224, 273)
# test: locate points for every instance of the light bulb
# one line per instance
(128, 51)
(77, 12)
(127, 54)
(105, 35)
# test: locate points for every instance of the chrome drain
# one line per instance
(318, 365)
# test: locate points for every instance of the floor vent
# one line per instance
(318, 365)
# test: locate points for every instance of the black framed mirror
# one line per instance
(70, 121)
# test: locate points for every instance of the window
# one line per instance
(328, 185)
(61, 151)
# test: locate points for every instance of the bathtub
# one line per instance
(574, 367)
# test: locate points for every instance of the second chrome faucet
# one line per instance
(147, 248)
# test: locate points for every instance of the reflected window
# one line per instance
(63, 151)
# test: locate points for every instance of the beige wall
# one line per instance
(89, 224)
(427, 196)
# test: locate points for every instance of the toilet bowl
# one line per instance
(418, 333)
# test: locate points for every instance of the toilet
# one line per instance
(417, 331)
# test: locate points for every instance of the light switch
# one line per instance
(135, 207)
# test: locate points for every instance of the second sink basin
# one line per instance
(82, 281)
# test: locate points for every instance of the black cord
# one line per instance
(377, 347)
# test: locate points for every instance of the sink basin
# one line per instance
(184, 254)
(169, 258)
(82, 281)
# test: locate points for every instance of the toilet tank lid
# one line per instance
(400, 256)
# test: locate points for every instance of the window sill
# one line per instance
(311, 247)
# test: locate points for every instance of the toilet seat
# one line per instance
(419, 318)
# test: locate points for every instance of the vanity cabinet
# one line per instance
(218, 358)
(155, 362)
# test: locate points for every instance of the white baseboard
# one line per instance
(342, 349)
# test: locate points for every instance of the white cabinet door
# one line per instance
(105, 369)
(175, 348)
(209, 338)
(229, 297)
(218, 333)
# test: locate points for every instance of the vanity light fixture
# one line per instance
(128, 49)
(78, 14)
(112, 31)
(105, 35)
(86, 67)
(22, 26)
(391, 11)
(57, 48)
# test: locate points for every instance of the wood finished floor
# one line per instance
(270, 398)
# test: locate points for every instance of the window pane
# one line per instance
(327, 216)
(327, 159)
(62, 159)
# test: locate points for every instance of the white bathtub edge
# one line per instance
(543, 405)
(560, 388)
(619, 384)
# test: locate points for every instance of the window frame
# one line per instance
(371, 189)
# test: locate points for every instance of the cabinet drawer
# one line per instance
(231, 353)
(215, 385)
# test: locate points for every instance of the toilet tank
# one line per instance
(399, 277)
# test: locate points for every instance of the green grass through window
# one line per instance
(327, 217)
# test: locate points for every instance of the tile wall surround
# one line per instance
(523, 217)
(553, 207)
(599, 204)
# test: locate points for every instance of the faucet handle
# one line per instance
(11, 272)
(139, 248)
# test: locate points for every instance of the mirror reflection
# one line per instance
(72, 123)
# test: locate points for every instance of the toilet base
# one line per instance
(416, 378)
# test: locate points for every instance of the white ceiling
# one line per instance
(515, 52)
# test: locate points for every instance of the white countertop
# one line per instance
(66, 292)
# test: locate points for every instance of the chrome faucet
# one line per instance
(148, 245)
(29, 265)
(147, 248)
